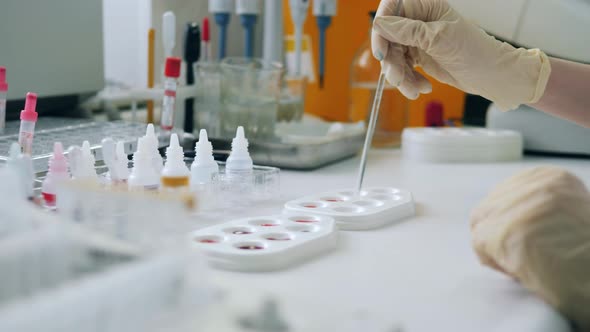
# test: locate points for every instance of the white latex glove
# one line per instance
(536, 227)
(432, 35)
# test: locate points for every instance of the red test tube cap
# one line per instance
(172, 67)
(435, 114)
(29, 114)
(206, 32)
(3, 84)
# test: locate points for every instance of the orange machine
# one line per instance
(346, 34)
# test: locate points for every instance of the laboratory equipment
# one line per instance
(292, 102)
(373, 118)
(171, 73)
(71, 132)
(299, 15)
(250, 91)
(57, 173)
(393, 113)
(373, 208)
(85, 164)
(323, 10)
(3, 89)
(192, 54)
(150, 72)
(175, 174)
(248, 10)
(548, 135)
(153, 145)
(266, 243)
(58, 77)
(208, 100)
(22, 165)
(206, 42)
(435, 115)
(115, 158)
(239, 163)
(168, 33)
(28, 118)
(221, 10)
(273, 34)
(467, 145)
(204, 167)
(143, 175)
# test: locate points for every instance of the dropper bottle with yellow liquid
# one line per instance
(175, 175)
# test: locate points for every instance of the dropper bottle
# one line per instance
(85, 164)
(143, 176)
(239, 163)
(204, 167)
(175, 174)
(23, 166)
(57, 173)
(28, 119)
(153, 145)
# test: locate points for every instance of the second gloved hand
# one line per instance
(432, 35)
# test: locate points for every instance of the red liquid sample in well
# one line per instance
(334, 200)
(269, 225)
(305, 221)
(251, 247)
(208, 241)
(241, 232)
(310, 206)
(278, 238)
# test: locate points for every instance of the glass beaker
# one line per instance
(208, 100)
(292, 103)
(250, 92)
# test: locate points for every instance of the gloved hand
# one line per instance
(432, 35)
(536, 228)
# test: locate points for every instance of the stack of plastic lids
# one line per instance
(461, 145)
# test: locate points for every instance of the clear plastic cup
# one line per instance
(208, 100)
(250, 94)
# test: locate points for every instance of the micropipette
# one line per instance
(373, 118)
(248, 11)
(3, 89)
(324, 10)
(298, 14)
(221, 10)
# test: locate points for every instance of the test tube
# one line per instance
(171, 73)
(3, 89)
(28, 118)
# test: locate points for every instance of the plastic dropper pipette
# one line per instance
(373, 118)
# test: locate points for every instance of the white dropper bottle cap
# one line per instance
(143, 174)
(239, 160)
(56, 174)
(168, 32)
(175, 166)
(204, 167)
(152, 141)
(121, 163)
(86, 165)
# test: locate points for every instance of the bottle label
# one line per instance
(49, 199)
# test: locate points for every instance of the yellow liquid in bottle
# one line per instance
(175, 182)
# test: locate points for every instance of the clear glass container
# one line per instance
(292, 103)
(364, 75)
(208, 101)
(250, 94)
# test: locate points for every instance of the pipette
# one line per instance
(248, 11)
(192, 54)
(373, 118)
(206, 41)
(221, 10)
(168, 32)
(298, 14)
(323, 10)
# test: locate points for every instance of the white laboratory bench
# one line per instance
(421, 274)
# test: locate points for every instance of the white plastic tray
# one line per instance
(266, 243)
(374, 208)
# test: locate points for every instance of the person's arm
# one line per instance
(568, 92)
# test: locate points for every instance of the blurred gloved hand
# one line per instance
(432, 35)
(536, 228)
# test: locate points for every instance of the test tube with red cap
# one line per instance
(3, 89)
(171, 73)
(28, 119)
(206, 43)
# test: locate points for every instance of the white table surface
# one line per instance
(421, 274)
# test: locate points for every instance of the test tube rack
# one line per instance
(73, 132)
